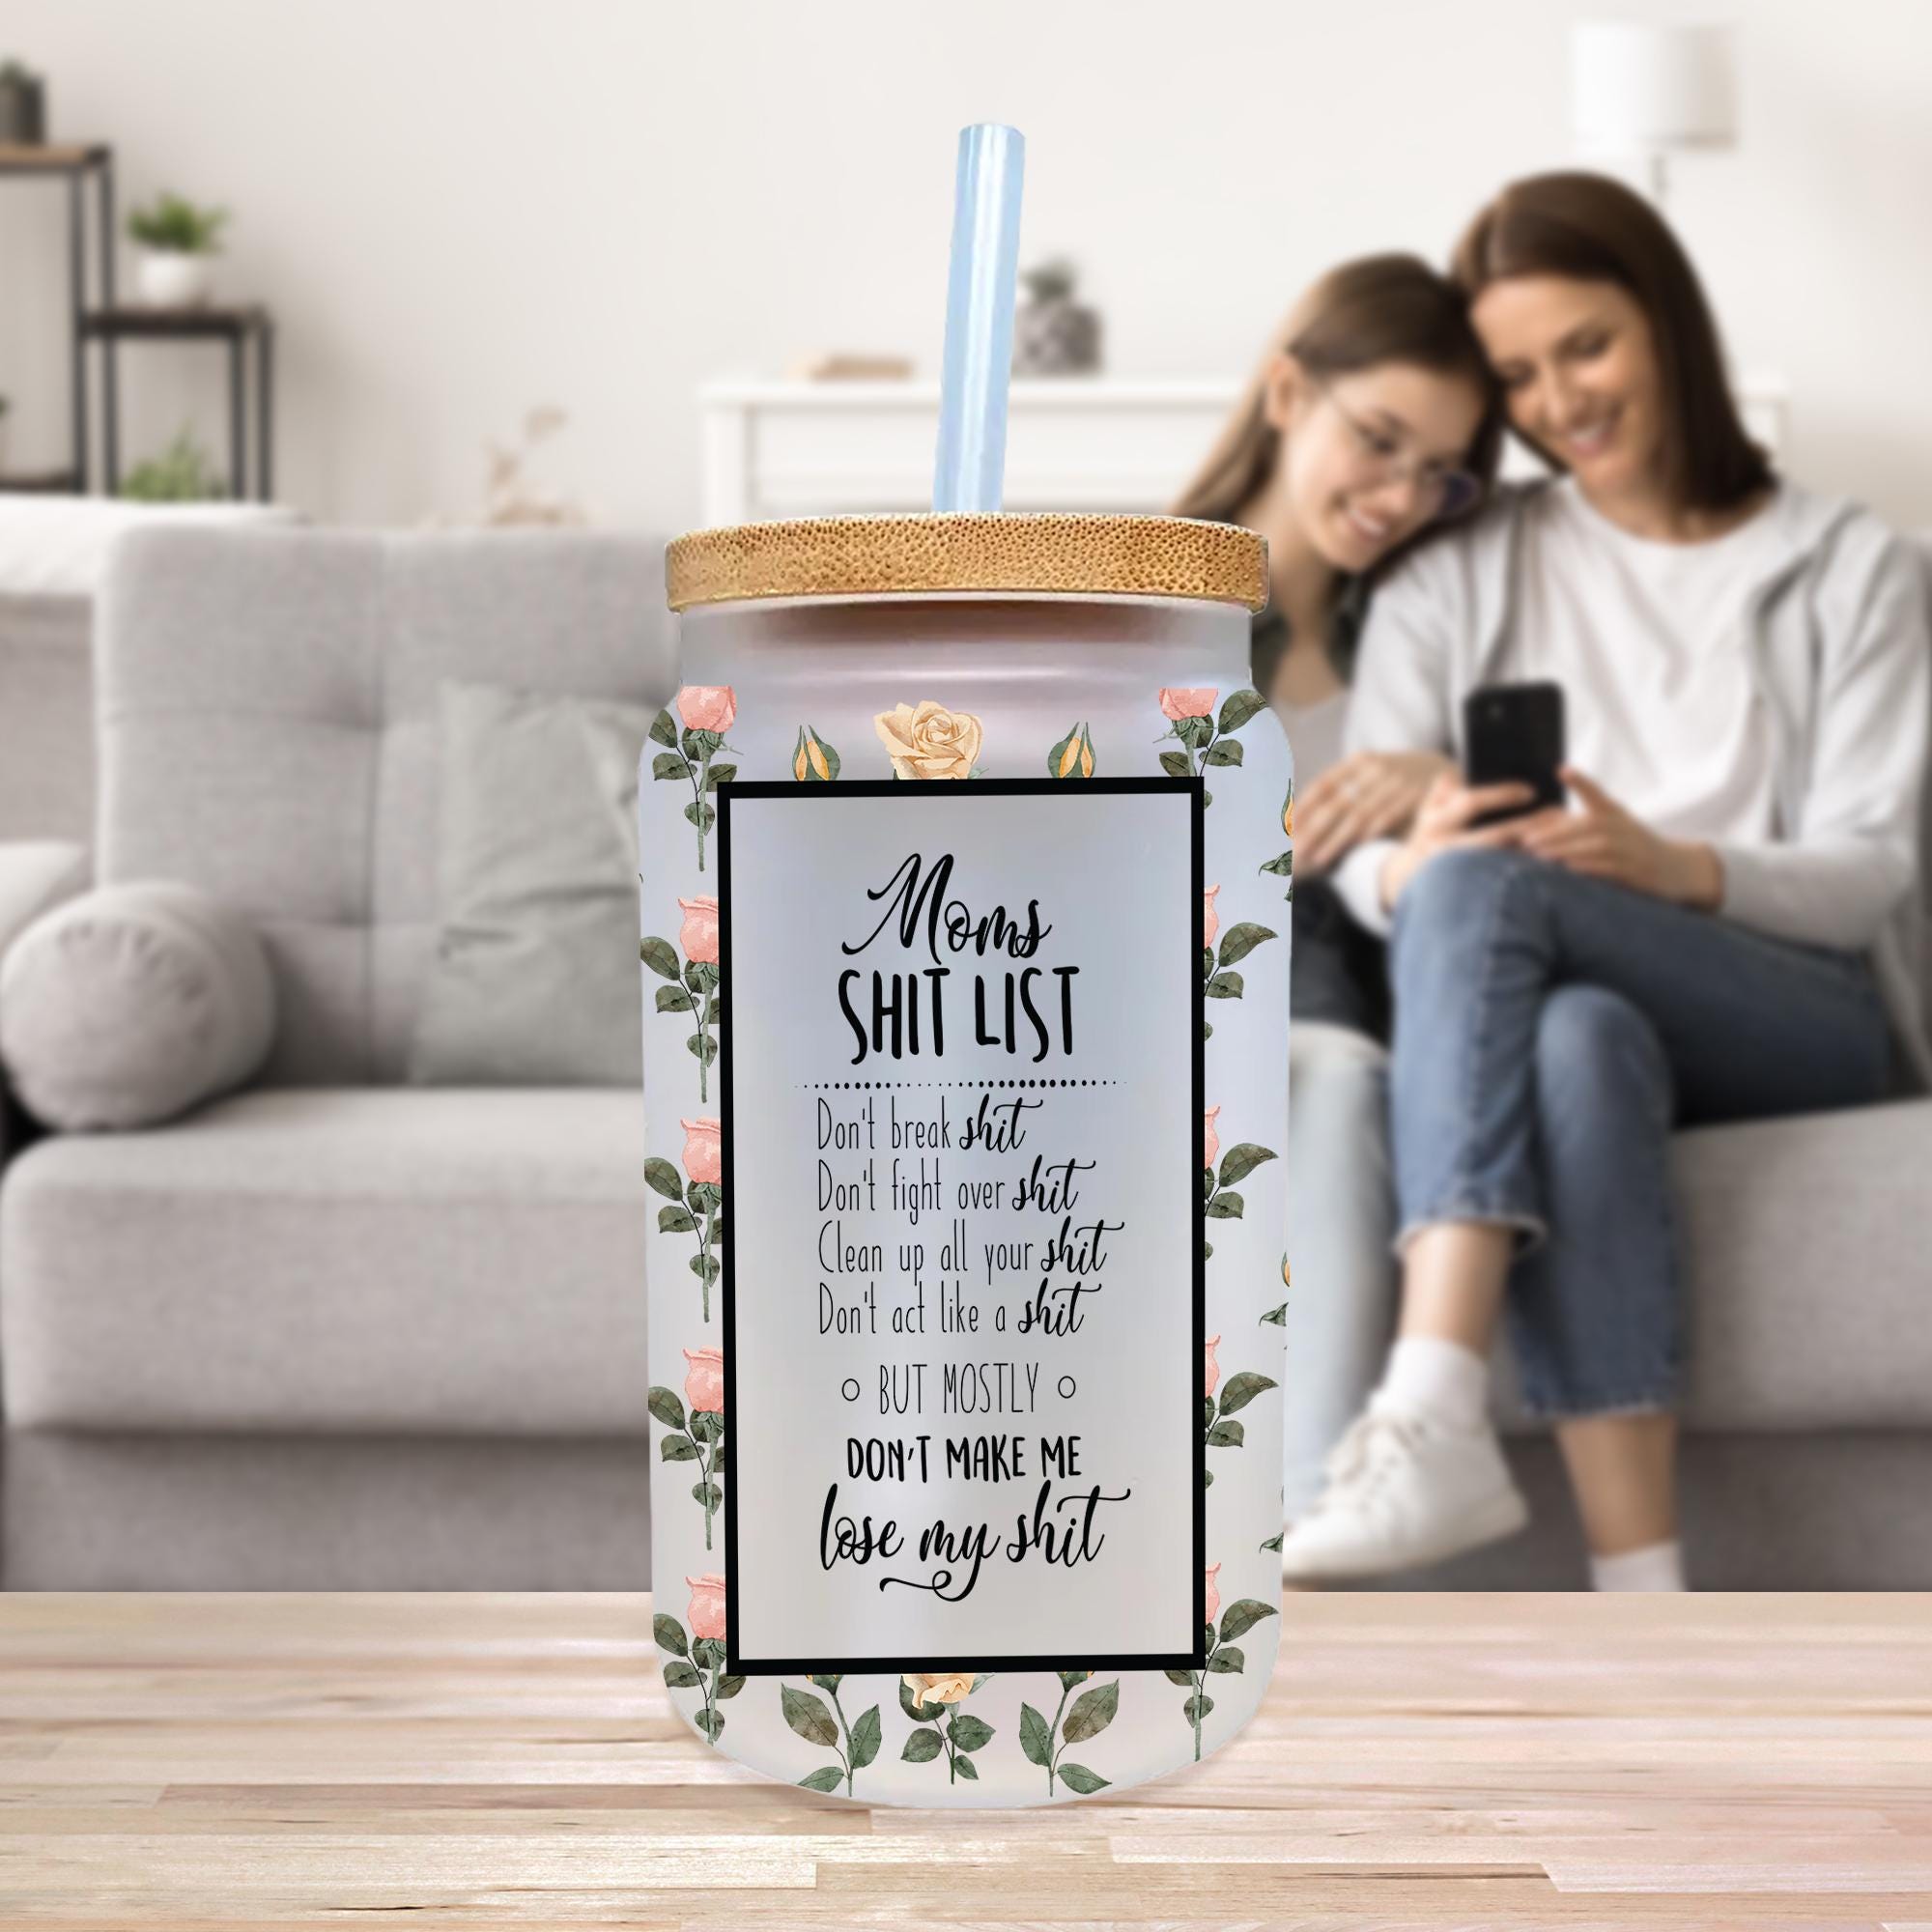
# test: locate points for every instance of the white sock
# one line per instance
(1441, 1378)
(1656, 1566)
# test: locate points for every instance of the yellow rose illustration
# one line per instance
(944, 1687)
(928, 741)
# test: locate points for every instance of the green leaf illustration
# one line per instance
(1239, 941)
(669, 1634)
(663, 1176)
(1035, 1735)
(866, 1735)
(710, 1722)
(964, 1767)
(660, 956)
(828, 1682)
(922, 1746)
(1238, 706)
(673, 1000)
(1274, 1541)
(678, 1449)
(1278, 1315)
(674, 1221)
(808, 1715)
(706, 1267)
(1193, 732)
(1226, 1436)
(1176, 764)
(698, 744)
(1224, 986)
(1078, 1778)
(828, 1778)
(704, 1195)
(919, 1712)
(1091, 1713)
(1197, 1707)
(703, 1045)
(701, 975)
(663, 729)
(1241, 1161)
(707, 1425)
(1071, 1680)
(1243, 1616)
(700, 815)
(668, 765)
(1237, 1391)
(968, 1732)
(730, 1686)
(720, 775)
(1227, 1206)
(708, 1653)
(663, 1403)
(1184, 1677)
(709, 1494)
(1224, 751)
(681, 1676)
(1282, 867)
(1229, 1659)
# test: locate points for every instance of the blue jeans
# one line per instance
(1550, 1032)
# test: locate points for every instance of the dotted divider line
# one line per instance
(867, 1086)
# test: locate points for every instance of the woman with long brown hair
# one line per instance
(1718, 927)
(1370, 420)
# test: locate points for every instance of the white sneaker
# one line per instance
(1403, 1488)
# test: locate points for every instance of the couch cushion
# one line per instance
(535, 977)
(335, 1258)
(268, 732)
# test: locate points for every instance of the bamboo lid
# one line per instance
(1051, 555)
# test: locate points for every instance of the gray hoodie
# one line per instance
(1838, 638)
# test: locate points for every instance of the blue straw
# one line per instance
(972, 460)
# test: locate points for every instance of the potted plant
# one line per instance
(23, 106)
(178, 243)
(181, 474)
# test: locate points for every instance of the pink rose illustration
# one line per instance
(1213, 1367)
(1185, 701)
(1210, 920)
(706, 1614)
(698, 935)
(1210, 1145)
(703, 1154)
(704, 1381)
(707, 707)
(1213, 1595)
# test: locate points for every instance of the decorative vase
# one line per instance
(23, 111)
(1053, 334)
(170, 278)
(964, 880)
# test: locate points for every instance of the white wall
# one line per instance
(460, 208)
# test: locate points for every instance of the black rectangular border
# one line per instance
(1196, 1659)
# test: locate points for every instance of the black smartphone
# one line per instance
(1512, 734)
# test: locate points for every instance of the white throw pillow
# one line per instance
(133, 1003)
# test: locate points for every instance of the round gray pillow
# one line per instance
(132, 1004)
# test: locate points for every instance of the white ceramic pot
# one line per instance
(168, 278)
(966, 1210)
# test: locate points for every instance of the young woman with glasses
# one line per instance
(1720, 925)
(1372, 420)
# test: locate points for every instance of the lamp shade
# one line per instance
(1637, 87)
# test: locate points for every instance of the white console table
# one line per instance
(816, 449)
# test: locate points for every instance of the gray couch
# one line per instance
(340, 1331)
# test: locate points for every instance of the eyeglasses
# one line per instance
(1443, 491)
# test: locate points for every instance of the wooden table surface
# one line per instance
(511, 1760)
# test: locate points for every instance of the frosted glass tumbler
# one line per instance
(965, 876)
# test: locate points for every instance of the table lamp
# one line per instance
(1643, 88)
